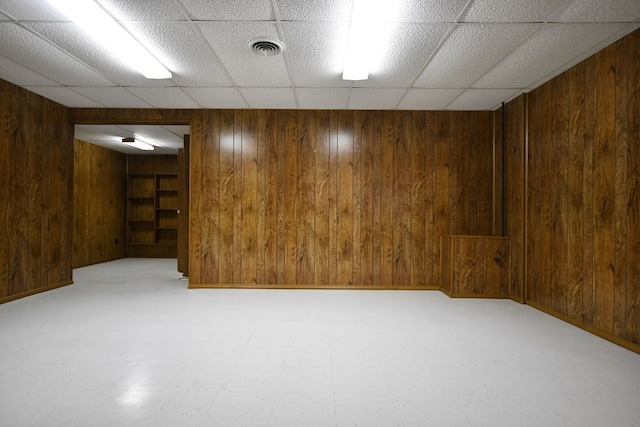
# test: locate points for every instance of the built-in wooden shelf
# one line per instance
(152, 208)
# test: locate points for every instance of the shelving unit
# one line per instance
(152, 218)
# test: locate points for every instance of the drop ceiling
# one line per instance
(443, 54)
(165, 139)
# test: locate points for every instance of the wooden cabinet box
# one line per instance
(475, 266)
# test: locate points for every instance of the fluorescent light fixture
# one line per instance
(93, 19)
(138, 144)
(364, 42)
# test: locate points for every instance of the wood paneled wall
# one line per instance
(475, 266)
(99, 191)
(36, 178)
(583, 193)
(334, 198)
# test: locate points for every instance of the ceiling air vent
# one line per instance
(266, 47)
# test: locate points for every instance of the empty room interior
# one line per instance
(319, 213)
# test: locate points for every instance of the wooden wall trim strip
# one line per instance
(596, 331)
(152, 116)
(35, 291)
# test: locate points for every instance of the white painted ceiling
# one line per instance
(444, 54)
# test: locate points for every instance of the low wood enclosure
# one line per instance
(475, 266)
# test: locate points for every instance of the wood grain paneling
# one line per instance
(515, 157)
(36, 175)
(475, 266)
(98, 204)
(349, 199)
(581, 211)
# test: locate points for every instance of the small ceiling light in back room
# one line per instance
(137, 144)
(93, 19)
(366, 36)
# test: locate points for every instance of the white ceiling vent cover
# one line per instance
(265, 46)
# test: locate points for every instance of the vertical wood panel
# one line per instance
(377, 197)
(588, 218)
(431, 238)
(442, 124)
(225, 133)
(620, 189)
(291, 202)
(357, 199)
(322, 182)
(249, 194)
(367, 196)
(401, 212)
(603, 190)
(418, 199)
(261, 197)
(516, 182)
(559, 193)
(237, 200)
(196, 185)
(386, 200)
(5, 181)
(333, 198)
(306, 200)
(345, 199)
(574, 185)
(632, 298)
(271, 199)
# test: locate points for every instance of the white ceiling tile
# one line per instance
(464, 57)
(75, 41)
(315, 10)
(482, 99)
(249, 10)
(600, 11)
(428, 99)
(278, 98)
(181, 49)
(431, 11)
(548, 49)
(27, 49)
(3, 17)
(112, 97)
(65, 96)
(230, 41)
(19, 75)
(31, 10)
(316, 52)
(374, 99)
(322, 98)
(164, 97)
(217, 97)
(410, 47)
(512, 10)
(143, 10)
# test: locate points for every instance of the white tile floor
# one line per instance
(128, 344)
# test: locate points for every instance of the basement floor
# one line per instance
(129, 344)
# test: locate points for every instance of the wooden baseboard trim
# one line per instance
(605, 335)
(489, 296)
(35, 291)
(324, 287)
